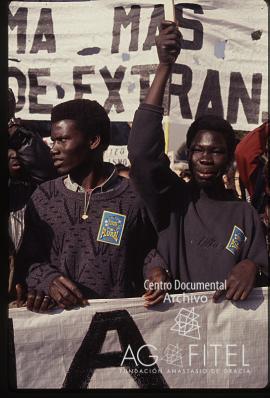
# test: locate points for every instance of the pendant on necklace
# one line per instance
(84, 216)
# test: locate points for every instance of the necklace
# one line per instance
(86, 204)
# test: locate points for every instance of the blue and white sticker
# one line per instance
(236, 240)
(111, 228)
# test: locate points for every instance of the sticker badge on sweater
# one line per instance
(236, 240)
(111, 228)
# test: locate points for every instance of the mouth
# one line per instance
(15, 165)
(205, 175)
(57, 162)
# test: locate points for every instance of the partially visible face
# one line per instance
(208, 157)
(14, 165)
(71, 147)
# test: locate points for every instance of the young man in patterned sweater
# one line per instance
(87, 233)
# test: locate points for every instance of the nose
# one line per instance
(206, 158)
(54, 148)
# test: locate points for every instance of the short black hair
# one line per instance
(90, 117)
(213, 123)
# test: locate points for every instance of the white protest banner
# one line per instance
(222, 68)
(105, 50)
(186, 342)
(102, 50)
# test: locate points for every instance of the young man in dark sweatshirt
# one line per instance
(87, 233)
(204, 234)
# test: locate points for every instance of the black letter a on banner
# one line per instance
(89, 357)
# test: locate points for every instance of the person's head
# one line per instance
(80, 133)
(11, 104)
(210, 144)
(14, 165)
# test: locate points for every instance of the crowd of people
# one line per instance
(81, 228)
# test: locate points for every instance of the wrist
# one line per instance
(165, 67)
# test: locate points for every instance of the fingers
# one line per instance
(232, 290)
(156, 286)
(154, 298)
(66, 293)
(152, 294)
(85, 302)
(238, 290)
(245, 292)
(37, 301)
(71, 287)
(168, 28)
(31, 300)
(148, 293)
(64, 296)
(168, 25)
(168, 43)
(218, 294)
(64, 299)
(171, 45)
(45, 304)
(235, 292)
(173, 36)
(20, 295)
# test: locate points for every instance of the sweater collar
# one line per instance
(107, 185)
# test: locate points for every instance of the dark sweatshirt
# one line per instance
(200, 238)
(103, 255)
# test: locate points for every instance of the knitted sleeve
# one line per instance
(33, 261)
(153, 259)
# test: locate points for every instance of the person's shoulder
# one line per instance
(242, 204)
(245, 209)
(130, 195)
(130, 192)
(47, 188)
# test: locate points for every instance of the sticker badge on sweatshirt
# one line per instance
(236, 240)
(111, 228)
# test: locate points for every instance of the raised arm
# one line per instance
(150, 166)
(168, 47)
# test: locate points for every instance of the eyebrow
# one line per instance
(59, 134)
(207, 145)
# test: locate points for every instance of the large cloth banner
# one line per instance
(105, 50)
(186, 342)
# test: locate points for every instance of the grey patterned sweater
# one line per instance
(103, 254)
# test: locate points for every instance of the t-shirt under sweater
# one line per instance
(103, 254)
(200, 238)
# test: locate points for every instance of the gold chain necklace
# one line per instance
(86, 204)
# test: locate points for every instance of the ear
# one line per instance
(94, 142)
